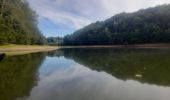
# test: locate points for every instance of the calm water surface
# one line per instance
(87, 74)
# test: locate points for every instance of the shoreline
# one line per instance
(24, 49)
(145, 46)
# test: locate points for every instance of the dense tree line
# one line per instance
(150, 25)
(55, 40)
(18, 23)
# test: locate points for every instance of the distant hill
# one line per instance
(18, 23)
(55, 41)
(150, 25)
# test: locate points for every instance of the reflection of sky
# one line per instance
(52, 64)
(63, 79)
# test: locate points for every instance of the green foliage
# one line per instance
(55, 40)
(18, 23)
(145, 26)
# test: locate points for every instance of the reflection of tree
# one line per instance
(18, 74)
(57, 53)
(153, 65)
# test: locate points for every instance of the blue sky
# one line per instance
(61, 17)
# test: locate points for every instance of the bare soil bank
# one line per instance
(15, 50)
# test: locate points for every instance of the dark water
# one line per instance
(87, 74)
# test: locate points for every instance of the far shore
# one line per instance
(24, 49)
(121, 46)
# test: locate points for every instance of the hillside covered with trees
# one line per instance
(18, 23)
(150, 25)
(55, 41)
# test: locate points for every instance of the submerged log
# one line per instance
(2, 55)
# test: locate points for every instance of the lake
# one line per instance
(87, 74)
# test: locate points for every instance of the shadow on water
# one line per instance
(18, 74)
(145, 65)
(2, 56)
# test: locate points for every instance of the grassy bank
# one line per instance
(13, 49)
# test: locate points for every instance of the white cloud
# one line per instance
(78, 13)
(47, 9)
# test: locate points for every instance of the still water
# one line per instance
(87, 74)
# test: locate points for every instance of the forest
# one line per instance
(150, 25)
(53, 41)
(18, 24)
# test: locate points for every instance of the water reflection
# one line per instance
(18, 74)
(68, 80)
(87, 74)
(145, 65)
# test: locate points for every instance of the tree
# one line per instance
(144, 26)
(18, 23)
